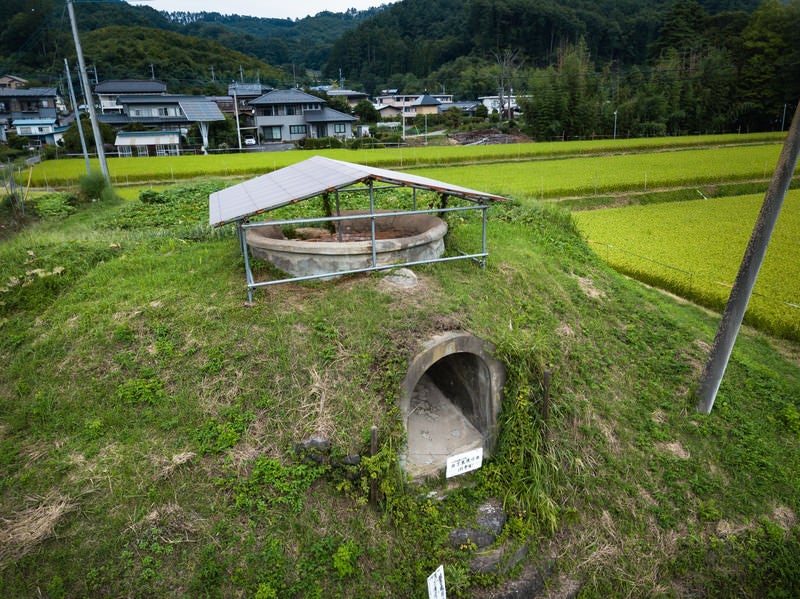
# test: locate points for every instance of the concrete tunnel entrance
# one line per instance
(450, 401)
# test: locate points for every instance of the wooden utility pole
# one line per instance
(748, 270)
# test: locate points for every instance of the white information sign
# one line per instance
(436, 588)
(464, 462)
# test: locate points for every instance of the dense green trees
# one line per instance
(72, 140)
(699, 80)
(184, 62)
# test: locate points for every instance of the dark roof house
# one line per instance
(291, 115)
(35, 109)
(108, 92)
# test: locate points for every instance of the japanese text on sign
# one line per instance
(464, 462)
(436, 588)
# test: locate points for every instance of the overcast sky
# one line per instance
(273, 9)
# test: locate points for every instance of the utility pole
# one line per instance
(236, 112)
(748, 270)
(615, 124)
(77, 117)
(98, 139)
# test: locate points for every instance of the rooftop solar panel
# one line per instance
(310, 178)
(201, 110)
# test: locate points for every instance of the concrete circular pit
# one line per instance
(400, 238)
(450, 401)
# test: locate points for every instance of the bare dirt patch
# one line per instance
(486, 137)
(588, 288)
(784, 517)
(675, 448)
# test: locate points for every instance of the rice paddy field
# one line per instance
(131, 170)
(591, 175)
(694, 249)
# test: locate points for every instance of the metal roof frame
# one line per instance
(320, 175)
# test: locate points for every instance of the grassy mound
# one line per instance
(149, 421)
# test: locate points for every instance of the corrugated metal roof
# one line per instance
(311, 178)
(147, 138)
(33, 122)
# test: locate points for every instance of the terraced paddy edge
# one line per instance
(694, 249)
(132, 170)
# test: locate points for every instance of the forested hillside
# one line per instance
(183, 62)
(582, 69)
(35, 37)
(419, 36)
(301, 44)
(578, 68)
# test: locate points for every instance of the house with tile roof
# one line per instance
(12, 82)
(409, 105)
(32, 113)
(291, 115)
(109, 92)
(157, 117)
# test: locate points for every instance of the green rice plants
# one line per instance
(125, 171)
(694, 249)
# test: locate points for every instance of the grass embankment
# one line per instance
(148, 421)
(126, 171)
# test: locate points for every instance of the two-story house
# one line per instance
(290, 115)
(391, 104)
(109, 92)
(162, 119)
(12, 82)
(352, 97)
(32, 113)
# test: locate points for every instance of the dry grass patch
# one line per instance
(784, 517)
(23, 531)
(167, 466)
(171, 524)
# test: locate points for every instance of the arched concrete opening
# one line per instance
(450, 400)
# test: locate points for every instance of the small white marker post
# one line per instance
(436, 588)
(462, 463)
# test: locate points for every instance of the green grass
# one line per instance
(702, 261)
(149, 420)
